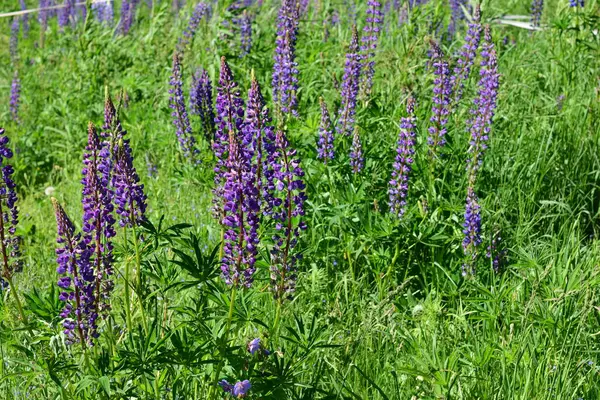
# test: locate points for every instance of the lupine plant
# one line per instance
(350, 88)
(325, 140)
(370, 37)
(201, 103)
(285, 68)
(442, 92)
(177, 103)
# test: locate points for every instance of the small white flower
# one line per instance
(49, 191)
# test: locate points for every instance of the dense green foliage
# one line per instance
(381, 310)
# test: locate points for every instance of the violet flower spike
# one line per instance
(457, 15)
(228, 121)
(104, 12)
(286, 209)
(467, 56)
(98, 220)
(13, 45)
(187, 142)
(202, 11)
(356, 153)
(371, 32)
(43, 14)
(77, 281)
(24, 18)
(245, 33)
(15, 97)
(9, 214)
(537, 8)
(201, 103)
(442, 92)
(285, 68)
(129, 192)
(484, 106)
(66, 14)
(325, 142)
(471, 231)
(398, 187)
(350, 87)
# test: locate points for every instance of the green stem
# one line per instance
(277, 321)
(224, 346)
(13, 290)
(127, 289)
(138, 271)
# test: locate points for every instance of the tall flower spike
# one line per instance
(77, 281)
(104, 12)
(13, 45)
(350, 87)
(98, 220)
(325, 142)
(240, 218)
(442, 92)
(398, 189)
(577, 3)
(287, 208)
(181, 120)
(537, 8)
(128, 9)
(129, 192)
(369, 40)
(228, 121)
(285, 68)
(472, 232)
(457, 15)
(245, 33)
(9, 214)
(356, 154)
(201, 103)
(259, 143)
(15, 97)
(201, 11)
(484, 106)
(24, 18)
(43, 14)
(66, 14)
(467, 56)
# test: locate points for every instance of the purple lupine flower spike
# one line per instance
(467, 56)
(285, 68)
(129, 192)
(24, 18)
(66, 14)
(497, 255)
(369, 40)
(325, 142)
(577, 3)
(9, 214)
(201, 11)
(43, 14)
(201, 103)
(398, 188)
(472, 232)
(259, 142)
(442, 92)
(98, 220)
(457, 15)
(356, 154)
(350, 87)
(254, 346)
(13, 45)
(240, 217)
(128, 9)
(239, 390)
(77, 281)
(537, 8)
(15, 97)
(245, 33)
(104, 12)
(228, 121)
(287, 206)
(187, 142)
(484, 106)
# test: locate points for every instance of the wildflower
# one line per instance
(104, 11)
(457, 14)
(285, 68)
(254, 346)
(350, 87)
(201, 103)
(65, 15)
(287, 206)
(98, 219)
(13, 45)
(245, 33)
(484, 106)
(228, 121)
(201, 11)
(466, 56)
(404, 158)
(77, 281)
(577, 3)
(43, 14)
(497, 255)
(9, 214)
(537, 7)
(325, 142)
(442, 90)
(24, 18)
(238, 390)
(181, 120)
(369, 44)
(15, 97)
(129, 192)
(128, 9)
(471, 231)
(356, 155)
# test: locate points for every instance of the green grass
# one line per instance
(381, 310)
